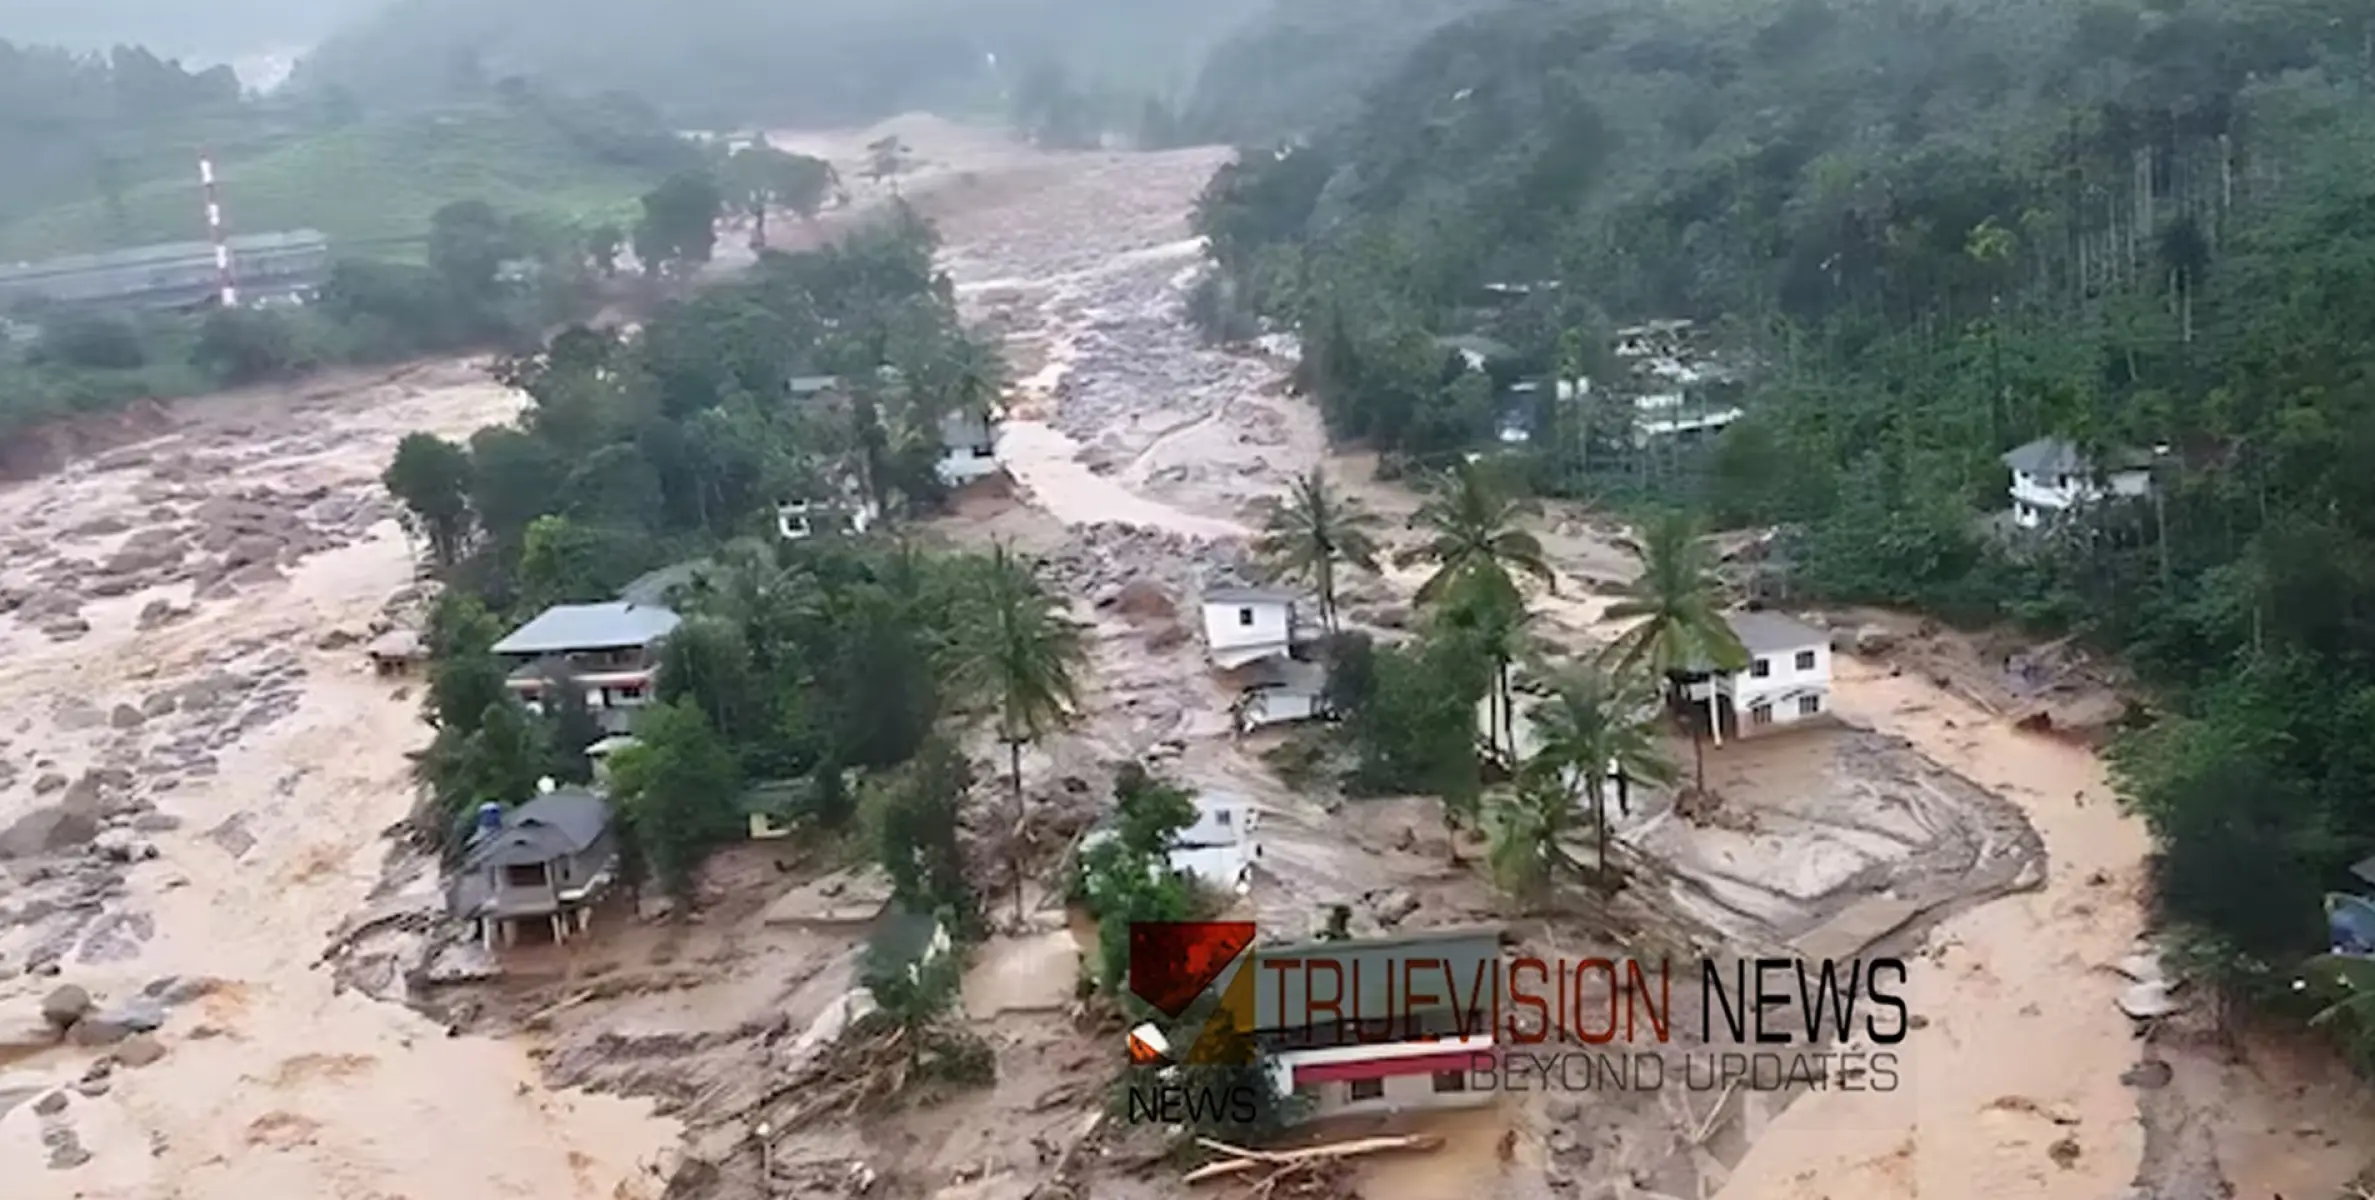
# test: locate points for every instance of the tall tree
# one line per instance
(1597, 725)
(1473, 529)
(1023, 657)
(1676, 608)
(679, 790)
(1316, 529)
(431, 476)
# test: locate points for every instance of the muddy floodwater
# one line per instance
(199, 773)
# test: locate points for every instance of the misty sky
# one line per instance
(194, 28)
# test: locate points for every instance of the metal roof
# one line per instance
(553, 825)
(614, 625)
(651, 589)
(2048, 457)
(1248, 595)
(1763, 631)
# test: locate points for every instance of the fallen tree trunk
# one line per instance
(1243, 1159)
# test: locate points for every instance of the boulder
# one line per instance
(65, 1005)
(95, 1031)
(125, 716)
(48, 830)
(23, 1037)
(140, 1050)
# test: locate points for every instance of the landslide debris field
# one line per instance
(201, 771)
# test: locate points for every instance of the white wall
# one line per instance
(1245, 626)
(1401, 1092)
(1782, 687)
(1273, 706)
(2061, 492)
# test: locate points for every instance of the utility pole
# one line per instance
(227, 289)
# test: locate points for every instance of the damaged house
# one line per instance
(1259, 640)
(551, 859)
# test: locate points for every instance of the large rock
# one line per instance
(65, 1005)
(140, 1050)
(50, 829)
(95, 1031)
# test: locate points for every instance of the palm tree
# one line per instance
(1597, 726)
(1315, 529)
(1475, 542)
(1472, 531)
(1491, 621)
(1020, 653)
(1675, 605)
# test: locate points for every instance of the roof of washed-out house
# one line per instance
(1248, 595)
(552, 825)
(1762, 631)
(2054, 456)
(1466, 952)
(615, 625)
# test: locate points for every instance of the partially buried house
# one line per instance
(1380, 1025)
(611, 650)
(1257, 636)
(549, 859)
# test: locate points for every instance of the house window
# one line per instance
(1805, 660)
(524, 875)
(1809, 705)
(1761, 668)
(1245, 616)
(1220, 816)
(1364, 1089)
(1450, 1082)
(1762, 714)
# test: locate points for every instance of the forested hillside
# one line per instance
(1302, 65)
(1933, 230)
(744, 61)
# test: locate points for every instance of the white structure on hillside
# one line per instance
(1216, 851)
(1787, 680)
(968, 447)
(1279, 690)
(1243, 626)
(2050, 477)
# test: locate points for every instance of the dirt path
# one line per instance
(211, 711)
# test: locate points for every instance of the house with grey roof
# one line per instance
(1787, 680)
(612, 650)
(1380, 1025)
(2050, 477)
(549, 859)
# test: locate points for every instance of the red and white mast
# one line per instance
(214, 230)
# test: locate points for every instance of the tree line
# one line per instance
(1930, 233)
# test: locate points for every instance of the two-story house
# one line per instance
(2050, 477)
(1787, 680)
(612, 650)
(549, 859)
(968, 447)
(1217, 850)
(1257, 636)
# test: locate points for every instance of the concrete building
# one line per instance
(2050, 477)
(611, 650)
(550, 859)
(266, 266)
(1394, 985)
(1217, 851)
(1245, 625)
(1787, 681)
(1279, 690)
(968, 448)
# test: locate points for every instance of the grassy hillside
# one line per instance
(377, 180)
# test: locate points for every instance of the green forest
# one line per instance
(1933, 231)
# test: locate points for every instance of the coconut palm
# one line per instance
(1598, 726)
(1473, 531)
(1020, 654)
(1491, 621)
(1676, 608)
(1312, 532)
(1474, 542)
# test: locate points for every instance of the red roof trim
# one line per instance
(1389, 1068)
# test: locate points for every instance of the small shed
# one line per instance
(396, 652)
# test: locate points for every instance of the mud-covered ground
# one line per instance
(192, 801)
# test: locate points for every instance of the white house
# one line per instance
(2050, 477)
(1243, 626)
(1279, 690)
(1217, 850)
(1787, 681)
(968, 447)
